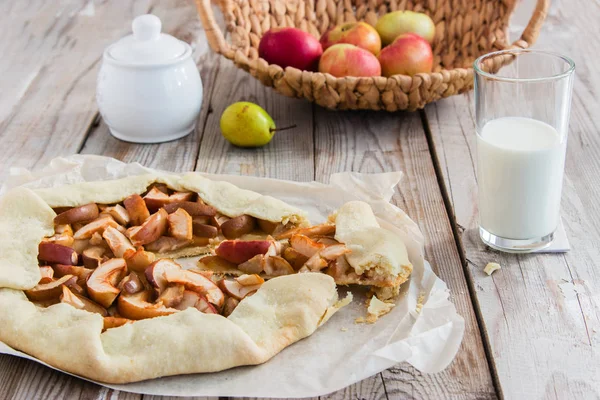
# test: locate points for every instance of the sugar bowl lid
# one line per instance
(147, 46)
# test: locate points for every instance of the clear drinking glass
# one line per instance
(522, 112)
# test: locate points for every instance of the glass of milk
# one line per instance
(522, 113)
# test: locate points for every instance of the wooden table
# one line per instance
(532, 329)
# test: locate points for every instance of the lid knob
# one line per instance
(146, 27)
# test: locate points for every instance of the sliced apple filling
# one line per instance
(110, 259)
(296, 253)
(352, 248)
(117, 259)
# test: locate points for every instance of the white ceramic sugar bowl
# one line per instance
(149, 89)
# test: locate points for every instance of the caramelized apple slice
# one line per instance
(140, 260)
(171, 296)
(64, 239)
(277, 266)
(201, 220)
(115, 322)
(155, 273)
(47, 274)
(80, 302)
(236, 290)
(199, 241)
(216, 264)
(165, 244)
(294, 257)
(160, 186)
(188, 299)
(77, 226)
(255, 265)
(81, 273)
(238, 226)
(267, 226)
(136, 208)
(314, 264)
(321, 259)
(339, 268)
(305, 245)
(230, 305)
(180, 224)
(192, 208)
(50, 290)
(102, 283)
(98, 240)
(317, 230)
(250, 280)
(155, 199)
(63, 229)
(275, 248)
(80, 245)
(54, 253)
(218, 220)
(98, 225)
(204, 230)
(326, 240)
(119, 213)
(131, 284)
(87, 212)
(137, 306)
(76, 288)
(204, 306)
(152, 229)
(181, 196)
(196, 282)
(334, 251)
(239, 251)
(118, 243)
(93, 256)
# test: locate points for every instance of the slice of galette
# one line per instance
(351, 247)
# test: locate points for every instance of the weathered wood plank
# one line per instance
(149, 397)
(372, 388)
(52, 51)
(376, 142)
(540, 312)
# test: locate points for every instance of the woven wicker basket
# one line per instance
(465, 29)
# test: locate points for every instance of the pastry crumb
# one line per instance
(344, 329)
(377, 308)
(491, 267)
(359, 320)
(420, 300)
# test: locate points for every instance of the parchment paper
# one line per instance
(424, 328)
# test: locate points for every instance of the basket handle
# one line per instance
(532, 30)
(214, 35)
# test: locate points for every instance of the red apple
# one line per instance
(290, 47)
(409, 54)
(348, 60)
(240, 251)
(359, 34)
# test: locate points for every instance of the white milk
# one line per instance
(521, 162)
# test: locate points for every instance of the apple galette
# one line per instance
(91, 269)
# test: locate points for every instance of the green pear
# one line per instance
(396, 23)
(246, 124)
